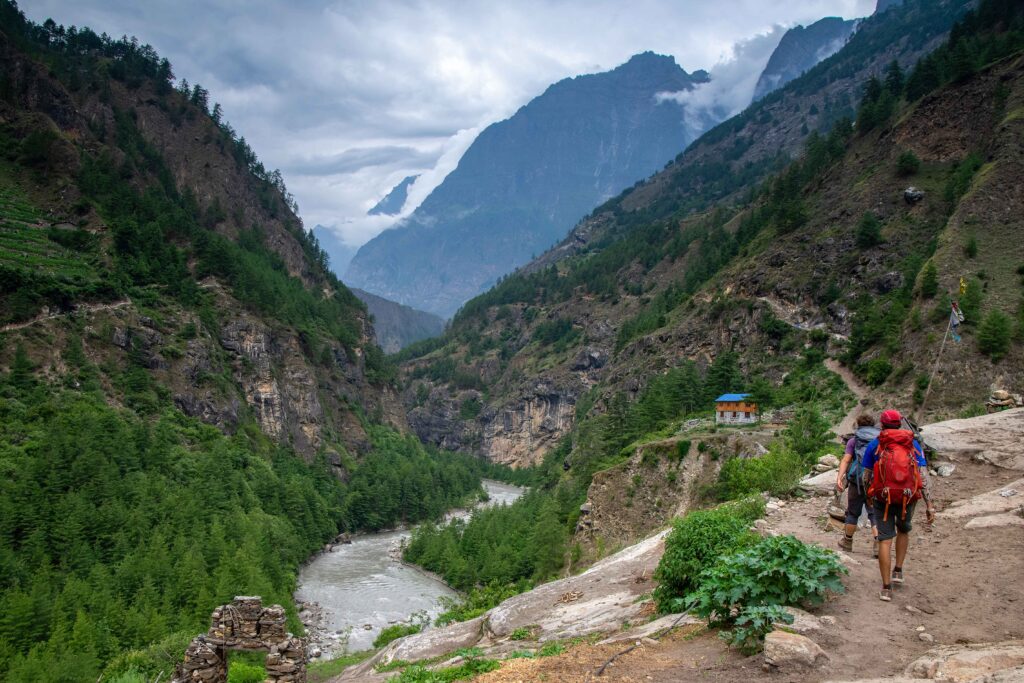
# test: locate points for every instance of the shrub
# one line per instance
(395, 632)
(808, 433)
(740, 590)
(877, 371)
(995, 334)
(971, 247)
(930, 280)
(777, 472)
(869, 231)
(698, 540)
(240, 672)
(908, 164)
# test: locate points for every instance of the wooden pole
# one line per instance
(935, 369)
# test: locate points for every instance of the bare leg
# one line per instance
(851, 529)
(902, 542)
(884, 559)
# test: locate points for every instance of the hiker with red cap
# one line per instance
(896, 473)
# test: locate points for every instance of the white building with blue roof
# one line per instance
(736, 409)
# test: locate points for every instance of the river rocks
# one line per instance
(961, 663)
(787, 651)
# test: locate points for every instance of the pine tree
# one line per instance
(869, 231)
(930, 280)
(994, 335)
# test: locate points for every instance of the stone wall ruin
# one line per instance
(244, 625)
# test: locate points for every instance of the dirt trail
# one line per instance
(963, 585)
(83, 308)
(846, 425)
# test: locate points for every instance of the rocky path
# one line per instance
(82, 308)
(846, 425)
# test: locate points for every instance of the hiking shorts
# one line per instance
(887, 528)
(856, 500)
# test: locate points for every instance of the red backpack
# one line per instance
(897, 478)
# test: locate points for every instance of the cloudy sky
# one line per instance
(347, 97)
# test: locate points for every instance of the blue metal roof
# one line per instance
(731, 397)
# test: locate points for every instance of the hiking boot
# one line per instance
(897, 577)
(885, 595)
(846, 543)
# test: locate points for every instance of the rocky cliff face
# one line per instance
(800, 49)
(525, 181)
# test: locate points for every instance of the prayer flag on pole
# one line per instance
(963, 285)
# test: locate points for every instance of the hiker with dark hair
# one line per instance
(896, 472)
(851, 475)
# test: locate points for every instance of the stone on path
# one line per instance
(963, 663)
(784, 650)
(987, 503)
(1004, 519)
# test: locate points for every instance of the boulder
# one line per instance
(784, 650)
(427, 644)
(993, 502)
(996, 438)
(829, 460)
(803, 622)
(912, 195)
(823, 483)
(962, 663)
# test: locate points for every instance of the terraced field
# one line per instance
(25, 242)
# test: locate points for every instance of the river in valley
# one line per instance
(361, 587)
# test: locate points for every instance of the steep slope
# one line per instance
(391, 204)
(581, 315)
(524, 181)
(398, 326)
(800, 49)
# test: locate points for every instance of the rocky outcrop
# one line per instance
(600, 600)
(800, 49)
(523, 433)
(994, 438)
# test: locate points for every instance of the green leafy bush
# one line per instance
(751, 624)
(697, 541)
(775, 572)
(776, 472)
(395, 632)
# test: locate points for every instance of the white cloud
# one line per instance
(322, 80)
(732, 83)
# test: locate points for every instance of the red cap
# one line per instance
(891, 418)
